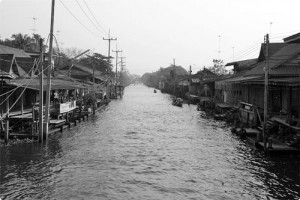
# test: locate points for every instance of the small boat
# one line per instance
(177, 102)
(154, 90)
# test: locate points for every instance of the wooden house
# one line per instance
(246, 87)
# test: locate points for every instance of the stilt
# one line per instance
(6, 129)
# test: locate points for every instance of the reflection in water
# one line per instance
(142, 147)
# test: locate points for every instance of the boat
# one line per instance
(177, 102)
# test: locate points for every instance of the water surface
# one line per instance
(142, 147)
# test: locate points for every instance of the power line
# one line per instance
(89, 18)
(95, 17)
(78, 19)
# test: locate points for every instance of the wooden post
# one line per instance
(266, 94)
(49, 72)
(41, 98)
(6, 129)
(22, 104)
(190, 82)
(7, 122)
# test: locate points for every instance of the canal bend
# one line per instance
(142, 147)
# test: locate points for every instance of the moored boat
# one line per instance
(177, 102)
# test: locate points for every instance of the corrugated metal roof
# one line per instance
(86, 69)
(292, 38)
(6, 61)
(273, 48)
(279, 62)
(26, 64)
(14, 51)
(55, 84)
(243, 63)
(288, 81)
(240, 79)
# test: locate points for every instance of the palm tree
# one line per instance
(21, 41)
(36, 39)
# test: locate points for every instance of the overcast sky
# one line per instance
(151, 33)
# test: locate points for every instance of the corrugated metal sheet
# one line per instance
(289, 81)
(14, 51)
(55, 84)
(240, 79)
(26, 64)
(6, 61)
(278, 63)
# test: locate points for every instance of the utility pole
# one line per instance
(109, 40)
(41, 98)
(266, 93)
(49, 72)
(122, 62)
(190, 81)
(174, 75)
(117, 51)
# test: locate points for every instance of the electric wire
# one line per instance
(78, 19)
(89, 18)
(95, 18)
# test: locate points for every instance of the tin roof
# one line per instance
(26, 64)
(285, 62)
(56, 83)
(287, 81)
(6, 61)
(10, 50)
(292, 39)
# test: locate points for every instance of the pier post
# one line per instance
(6, 129)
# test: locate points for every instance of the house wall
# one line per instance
(284, 103)
(256, 96)
(295, 107)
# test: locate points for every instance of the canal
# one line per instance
(142, 147)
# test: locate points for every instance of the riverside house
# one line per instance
(20, 87)
(246, 88)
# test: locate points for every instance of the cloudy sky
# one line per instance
(151, 33)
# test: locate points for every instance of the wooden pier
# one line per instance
(55, 125)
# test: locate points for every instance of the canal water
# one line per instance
(142, 147)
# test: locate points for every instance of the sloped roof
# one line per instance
(242, 64)
(6, 61)
(292, 39)
(86, 69)
(26, 64)
(273, 48)
(285, 62)
(287, 81)
(56, 83)
(14, 51)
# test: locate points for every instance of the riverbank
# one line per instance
(55, 126)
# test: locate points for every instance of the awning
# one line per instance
(285, 81)
(56, 84)
(240, 79)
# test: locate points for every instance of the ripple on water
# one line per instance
(141, 147)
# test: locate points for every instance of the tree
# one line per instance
(21, 41)
(35, 43)
(99, 61)
(24, 41)
(218, 67)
